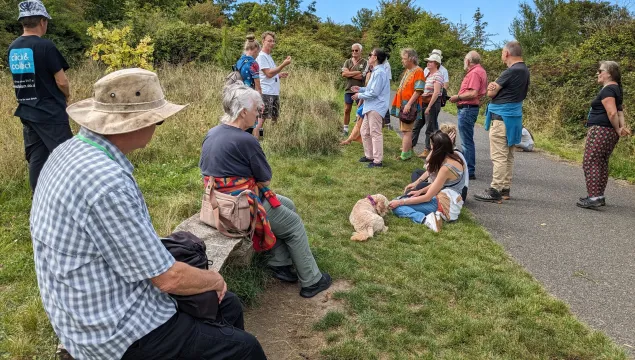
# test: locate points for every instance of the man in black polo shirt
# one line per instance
(504, 121)
(41, 88)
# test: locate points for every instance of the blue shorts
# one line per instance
(349, 100)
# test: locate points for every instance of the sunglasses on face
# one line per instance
(355, 50)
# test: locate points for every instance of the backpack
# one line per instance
(235, 76)
(186, 247)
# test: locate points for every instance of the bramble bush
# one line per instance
(112, 48)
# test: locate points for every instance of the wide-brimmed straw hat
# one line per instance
(434, 57)
(122, 102)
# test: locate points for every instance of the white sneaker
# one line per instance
(433, 221)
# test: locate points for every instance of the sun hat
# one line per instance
(434, 57)
(124, 101)
(437, 51)
(32, 8)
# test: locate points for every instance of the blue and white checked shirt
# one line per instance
(95, 251)
(376, 95)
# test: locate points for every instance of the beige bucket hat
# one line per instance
(434, 57)
(124, 101)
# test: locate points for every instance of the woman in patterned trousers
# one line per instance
(606, 125)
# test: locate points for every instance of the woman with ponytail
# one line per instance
(606, 125)
(249, 71)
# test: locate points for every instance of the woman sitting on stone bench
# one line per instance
(235, 161)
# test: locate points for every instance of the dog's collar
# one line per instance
(372, 201)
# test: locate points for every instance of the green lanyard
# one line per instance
(94, 144)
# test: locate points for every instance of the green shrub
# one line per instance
(307, 52)
(178, 43)
(113, 48)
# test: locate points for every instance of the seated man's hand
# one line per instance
(221, 294)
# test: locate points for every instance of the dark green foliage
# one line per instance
(559, 22)
(179, 43)
(391, 21)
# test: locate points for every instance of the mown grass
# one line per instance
(416, 294)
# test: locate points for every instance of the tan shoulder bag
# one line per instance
(231, 215)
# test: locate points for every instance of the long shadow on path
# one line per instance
(584, 257)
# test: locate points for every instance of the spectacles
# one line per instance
(355, 50)
(600, 71)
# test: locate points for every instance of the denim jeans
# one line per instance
(417, 213)
(467, 119)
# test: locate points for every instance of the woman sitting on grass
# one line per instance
(421, 178)
(443, 194)
(234, 160)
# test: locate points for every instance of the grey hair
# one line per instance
(473, 57)
(514, 49)
(411, 54)
(358, 45)
(236, 98)
(613, 68)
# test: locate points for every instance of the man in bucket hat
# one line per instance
(41, 88)
(104, 275)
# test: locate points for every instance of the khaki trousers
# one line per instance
(292, 243)
(502, 156)
(372, 136)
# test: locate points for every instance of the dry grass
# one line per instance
(308, 123)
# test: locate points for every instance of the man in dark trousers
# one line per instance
(41, 88)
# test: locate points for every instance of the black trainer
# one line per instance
(318, 287)
(489, 195)
(284, 273)
(374, 165)
(365, 159)
(602, 200)
(587, 203)
(505, 194)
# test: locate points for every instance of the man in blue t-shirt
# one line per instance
(41, 88)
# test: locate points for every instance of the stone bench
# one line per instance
(220, 249)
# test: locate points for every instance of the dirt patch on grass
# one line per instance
(283, 321)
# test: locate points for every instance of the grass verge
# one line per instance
(416, 294)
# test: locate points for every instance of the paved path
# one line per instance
(584, 257)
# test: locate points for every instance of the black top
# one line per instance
(515, 84)
(597, 114)
(34, 61)
(229, 151)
